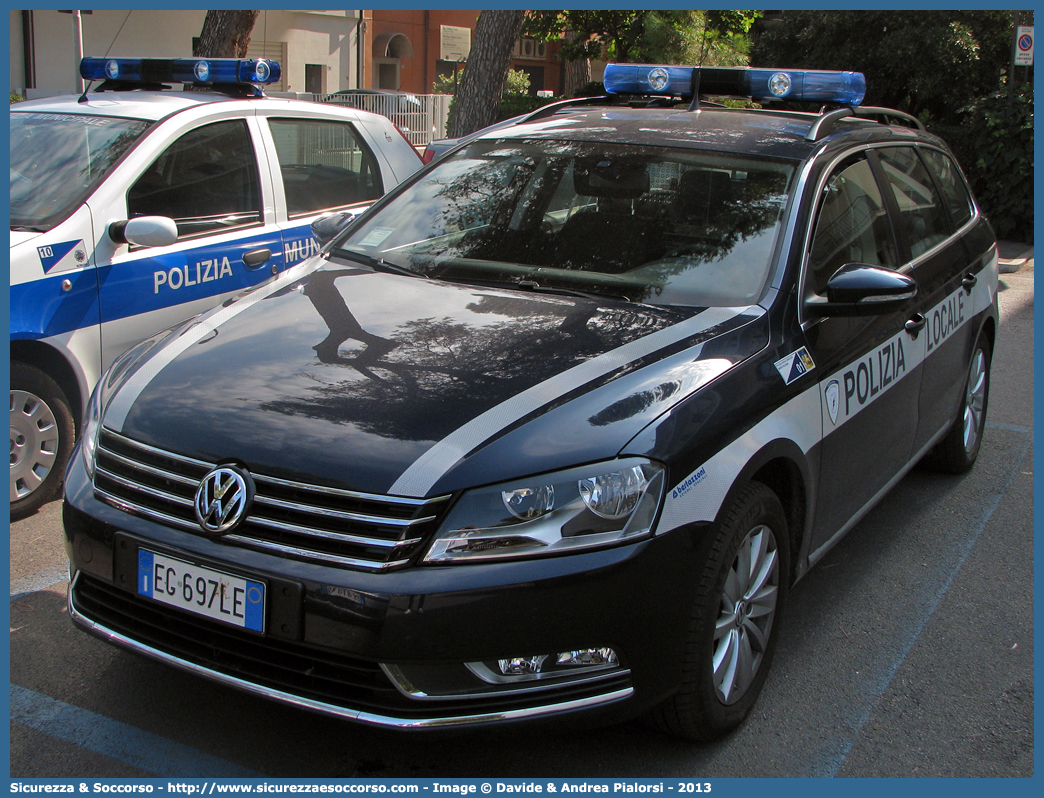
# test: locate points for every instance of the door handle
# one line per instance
(256, 257)
(969, 282)
(915, 324)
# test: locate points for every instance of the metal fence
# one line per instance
(421, 117)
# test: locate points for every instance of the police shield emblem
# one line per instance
(833, 399)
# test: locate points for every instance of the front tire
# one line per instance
(42, 433)
(957, 452)
(734, 624)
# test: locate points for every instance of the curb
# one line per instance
(1014, 256)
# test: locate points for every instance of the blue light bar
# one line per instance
(813, 85)
(200, 71)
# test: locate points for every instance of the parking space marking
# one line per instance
(41, 580)
(120, 741)
(833, 764)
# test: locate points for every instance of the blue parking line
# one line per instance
(832, 764)
(120, 741)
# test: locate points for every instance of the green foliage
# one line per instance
(516, 100)
(993, 141)
(517, 82)
(515, 104)
(16, 98)
(594, 88)
(916, 61)
(445, 84)
(948, 68)
(666, 36)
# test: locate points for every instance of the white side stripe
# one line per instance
(820, 409)
(420, 477)
(698, 497)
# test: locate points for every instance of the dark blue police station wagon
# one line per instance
(552, 428)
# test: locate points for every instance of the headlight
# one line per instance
(90, 429)
(582, 508)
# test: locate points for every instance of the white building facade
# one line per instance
(318, 50)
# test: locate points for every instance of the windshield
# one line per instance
(650, 224)
(58, 159)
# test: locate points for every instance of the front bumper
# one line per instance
(338, 641)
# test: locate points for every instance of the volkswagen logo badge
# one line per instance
(222, 499)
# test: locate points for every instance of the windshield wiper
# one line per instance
(533, 285)
(25, 228)
(377, 264)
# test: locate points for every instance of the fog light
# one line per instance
(521, 666)
(587, 657)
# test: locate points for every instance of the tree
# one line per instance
(667, 37)
(482, 84)
(576, 72)
(640, 36)
(225, 34)
(928, 63)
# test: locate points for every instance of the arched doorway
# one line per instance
(389, 49)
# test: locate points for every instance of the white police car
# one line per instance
(133, 208)
(554, 426)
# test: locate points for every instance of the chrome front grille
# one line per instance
(291, 519)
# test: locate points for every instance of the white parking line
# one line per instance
(41, 580)
(120, 741)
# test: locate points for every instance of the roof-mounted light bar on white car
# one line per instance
(193, 71)
(812, 85)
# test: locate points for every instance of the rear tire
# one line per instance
(42, 433)
(735, 619)
(956, 453)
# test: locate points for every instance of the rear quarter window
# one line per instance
(952, 186)
(324, 165)
(922, 216)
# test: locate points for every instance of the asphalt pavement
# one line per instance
(908, 651)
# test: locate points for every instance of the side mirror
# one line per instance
(325, 228)
(858, 289)
(145, 231)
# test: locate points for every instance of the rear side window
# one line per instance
(852, 225)
(324, 165)
(922, 216)
(951, 184)
(206, 181)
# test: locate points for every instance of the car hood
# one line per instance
(390, 384)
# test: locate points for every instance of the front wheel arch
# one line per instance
(785, 470)
(733, 628)
(56, 366)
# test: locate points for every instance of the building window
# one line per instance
(315, 78)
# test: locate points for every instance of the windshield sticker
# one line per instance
(62, 257)
(376, 236)
(795, 365)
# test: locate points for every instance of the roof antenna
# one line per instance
(87, 87)
(695, 104)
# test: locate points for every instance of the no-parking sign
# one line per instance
(1024, 46)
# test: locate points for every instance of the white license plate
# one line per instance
(202, 591)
